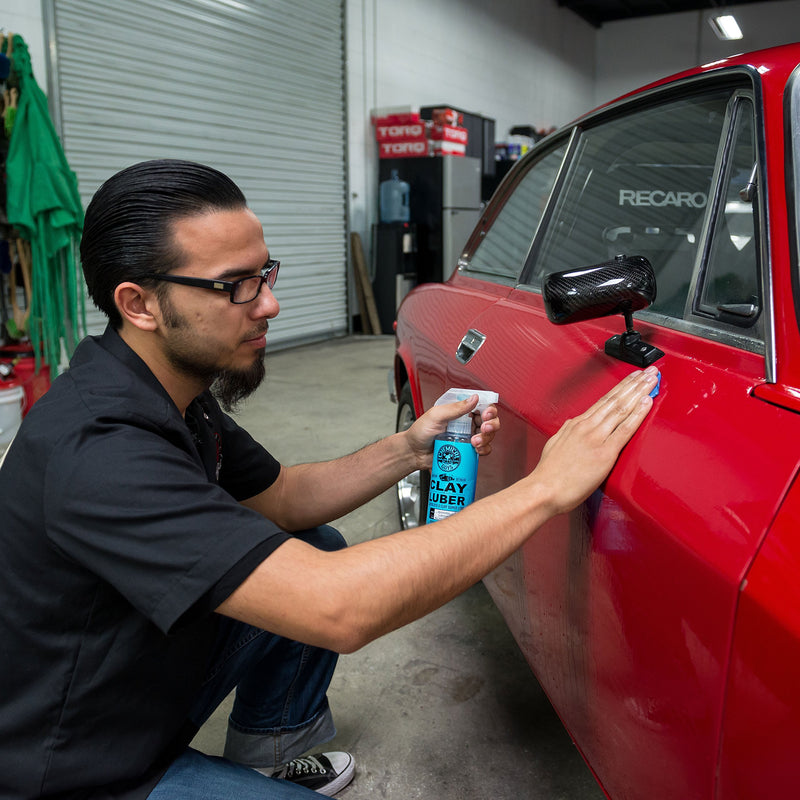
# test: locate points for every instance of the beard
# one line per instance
(229, 386)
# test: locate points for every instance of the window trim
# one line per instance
(547, 214)
(695, 309)
(791, 118)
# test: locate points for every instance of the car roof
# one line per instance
(772, 63)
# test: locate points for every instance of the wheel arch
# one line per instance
(403, 374)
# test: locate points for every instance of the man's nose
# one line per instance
(265, 304)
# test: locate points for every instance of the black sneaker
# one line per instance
(325, 773)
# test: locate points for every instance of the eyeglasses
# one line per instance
(245, 290)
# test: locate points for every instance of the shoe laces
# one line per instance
(305, 766)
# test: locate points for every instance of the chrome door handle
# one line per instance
(470, 345)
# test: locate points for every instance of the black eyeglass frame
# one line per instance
(268, 275)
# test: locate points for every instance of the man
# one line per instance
(155, 557)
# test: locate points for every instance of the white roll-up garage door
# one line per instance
(254, 88)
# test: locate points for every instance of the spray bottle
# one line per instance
(455, 461)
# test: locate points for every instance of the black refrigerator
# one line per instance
(445, 205)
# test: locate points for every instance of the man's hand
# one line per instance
(432, 423)
(578, 458)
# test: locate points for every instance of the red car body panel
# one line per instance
(759, 746)
(662, 617)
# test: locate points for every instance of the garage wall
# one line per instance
(516, 61)
(634, 52)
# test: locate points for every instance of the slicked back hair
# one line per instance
(127, 231)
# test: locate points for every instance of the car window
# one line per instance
(731, 290)
(505, 245)
(639, 185)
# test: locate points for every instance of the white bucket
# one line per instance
(12, 401)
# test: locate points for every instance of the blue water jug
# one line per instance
(394, 200)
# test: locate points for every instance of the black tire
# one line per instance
(412, 491)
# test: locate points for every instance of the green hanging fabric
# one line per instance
(43, 204)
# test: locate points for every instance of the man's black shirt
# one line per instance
(120, 532)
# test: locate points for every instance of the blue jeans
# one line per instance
(280, 710)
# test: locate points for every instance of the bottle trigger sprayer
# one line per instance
(455, 461)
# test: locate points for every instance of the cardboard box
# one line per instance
(449, 133)
(407, 148)
(395, 115)
(449, 149)
(387, 132)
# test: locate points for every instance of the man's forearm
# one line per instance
(307, 495)
(344, 599)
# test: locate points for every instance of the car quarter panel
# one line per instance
(761, 737)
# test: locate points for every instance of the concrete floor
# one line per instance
(445, 708)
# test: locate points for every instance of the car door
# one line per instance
(625, 607)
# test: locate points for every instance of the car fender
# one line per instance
(760, 735)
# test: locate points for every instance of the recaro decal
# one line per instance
(659, 198)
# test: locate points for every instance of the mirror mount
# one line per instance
(620, 286)
(630, 348)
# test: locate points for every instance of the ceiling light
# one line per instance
(725, 26)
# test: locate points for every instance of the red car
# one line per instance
(662, 617)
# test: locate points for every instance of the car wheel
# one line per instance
(412, 491)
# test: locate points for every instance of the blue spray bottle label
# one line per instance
(454, 470)
(453, 475)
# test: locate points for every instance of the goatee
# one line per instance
(230, 387)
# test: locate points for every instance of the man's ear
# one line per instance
(137, 306)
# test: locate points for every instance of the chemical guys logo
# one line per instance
(448, 458)
(660, 198)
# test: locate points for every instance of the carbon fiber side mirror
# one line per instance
(621, 286)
